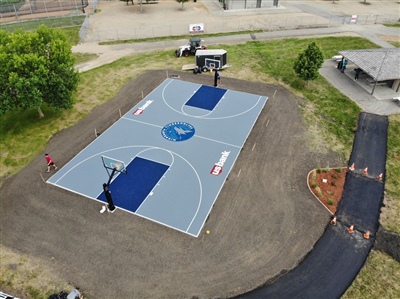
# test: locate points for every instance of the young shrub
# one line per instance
(334, 183)
(319, 170)
(314, 175)
(327, 169)
(314, 185)
(339, 169)
(330, 201)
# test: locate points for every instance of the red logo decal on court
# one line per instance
(140, 110)
(217, 168)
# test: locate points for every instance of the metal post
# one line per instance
(47, 13)
(111, 176)
(110, 202)
(379, 72)
(16, 12)
(61, 7)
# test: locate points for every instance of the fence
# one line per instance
(84, 28)
(17, 12)
(40, 9)
(270, 23)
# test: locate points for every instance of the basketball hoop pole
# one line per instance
(110, 202)
(107, 192)
(111, 176)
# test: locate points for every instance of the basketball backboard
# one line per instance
(114, 164)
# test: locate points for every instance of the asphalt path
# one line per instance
(326, 272)
(329, 269)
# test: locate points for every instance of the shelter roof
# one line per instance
(381, 64)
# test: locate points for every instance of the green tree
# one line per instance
(308, 62)
(182, 1)
(36, 67)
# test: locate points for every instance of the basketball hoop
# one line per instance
(113, 164)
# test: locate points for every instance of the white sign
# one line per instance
(194, 28)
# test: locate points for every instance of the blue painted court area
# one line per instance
(178, 146)
(206, 97)
(129, 190)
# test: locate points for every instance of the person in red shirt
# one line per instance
(50, 162)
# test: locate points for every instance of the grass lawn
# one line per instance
(57, 22)
(378, 279)
(330, 116)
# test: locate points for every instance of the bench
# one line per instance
(372, 81)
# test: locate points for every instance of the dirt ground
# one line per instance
(264, 221)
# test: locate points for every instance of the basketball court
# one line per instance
(168, 157)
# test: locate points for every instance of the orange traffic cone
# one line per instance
(365, 171)
(352, 167)
(380, 177)
(333, 221)
(351, 229)
(366, 235)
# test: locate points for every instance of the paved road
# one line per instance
(212, 11)
(113, 16)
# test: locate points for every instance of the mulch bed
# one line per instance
(327, 185)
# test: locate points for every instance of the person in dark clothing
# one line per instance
(344, 64)
(358, 71)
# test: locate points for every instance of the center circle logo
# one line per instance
(178, 131)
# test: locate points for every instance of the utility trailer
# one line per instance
(211, 59)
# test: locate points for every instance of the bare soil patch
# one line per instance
(389, 38)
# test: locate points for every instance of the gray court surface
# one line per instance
(174, 125)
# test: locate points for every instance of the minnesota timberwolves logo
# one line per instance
(177, 131)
